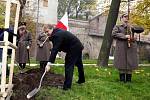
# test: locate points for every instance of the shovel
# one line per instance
(33, 92)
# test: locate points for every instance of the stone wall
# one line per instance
(91, 35)
(97, 25)
(92, 43)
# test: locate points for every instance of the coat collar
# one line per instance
(55, 30)
(123, 25)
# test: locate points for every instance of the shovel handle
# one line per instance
(33, 92)
(42, 79)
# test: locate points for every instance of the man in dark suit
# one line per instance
(71, 45)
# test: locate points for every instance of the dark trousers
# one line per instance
(43, 64)
(72, 59)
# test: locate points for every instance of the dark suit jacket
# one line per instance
(64, 41)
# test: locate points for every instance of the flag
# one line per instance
(63, 22)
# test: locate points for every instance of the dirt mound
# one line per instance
(26, 82)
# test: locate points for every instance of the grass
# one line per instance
(101, 84)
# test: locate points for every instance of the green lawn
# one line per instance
(101, 84)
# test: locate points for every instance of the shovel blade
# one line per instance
(32, 93)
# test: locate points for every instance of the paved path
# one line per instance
(83, 64)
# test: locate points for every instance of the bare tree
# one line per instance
(22, 3)
(107, 39)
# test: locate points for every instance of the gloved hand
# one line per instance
(28, 47)
(47, 68)
(41, 45)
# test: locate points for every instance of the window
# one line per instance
(45, 3)
(28, 3)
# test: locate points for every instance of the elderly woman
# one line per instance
(24, 43)
(43, 49)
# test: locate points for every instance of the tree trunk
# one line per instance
(107, 39)
(22, 4)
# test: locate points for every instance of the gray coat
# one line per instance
(43, 53)
(22, 51)
(125, 58)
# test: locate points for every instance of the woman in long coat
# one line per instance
(125, 57)
(43, 49)
(24, 43)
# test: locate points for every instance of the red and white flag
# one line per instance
(63, 22)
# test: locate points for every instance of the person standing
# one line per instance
(126, 56)
(65, 41)
(43, 49)
(24, 41)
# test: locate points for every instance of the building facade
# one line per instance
(45, 11)
(90, 33)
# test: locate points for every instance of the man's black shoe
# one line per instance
(80, 82)
(65, 88)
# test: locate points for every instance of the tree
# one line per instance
(62, 4)
(2, 14)
(107, 39)
(76, 8)
(85, 7)
(141, 15)
(22, 5)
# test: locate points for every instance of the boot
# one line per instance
(122, 77)
(24, 65)
(21, 68)
(42, 66)
(128, 77)
(81, 80)
(45, 63)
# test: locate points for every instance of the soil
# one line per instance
(26, 82)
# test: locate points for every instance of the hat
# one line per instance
(22, 23)
(124, 15)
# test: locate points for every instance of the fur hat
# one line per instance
(123, 15)
(22, 25)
